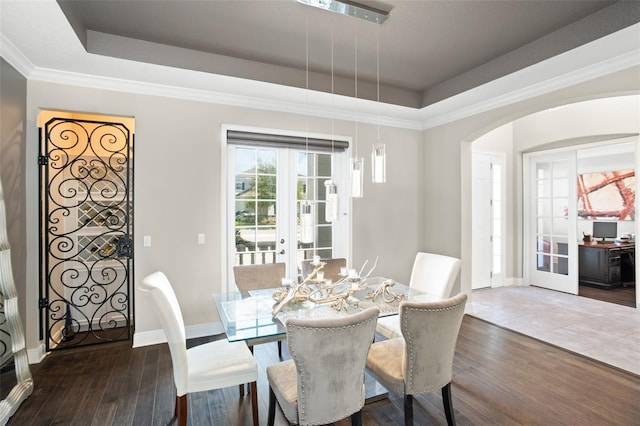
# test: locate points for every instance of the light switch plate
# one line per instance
(147, 241)
(200, 238)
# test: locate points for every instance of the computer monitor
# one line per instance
(605, 230)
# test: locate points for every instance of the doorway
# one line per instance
(269, 177)
(86, 222)
(606, 198)
(599, 181)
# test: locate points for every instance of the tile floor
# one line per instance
(603, 331)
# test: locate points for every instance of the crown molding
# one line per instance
(327, 105)
(615, 52)
(14, 57)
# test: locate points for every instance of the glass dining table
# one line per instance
(248, 315)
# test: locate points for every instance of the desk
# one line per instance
(606, 265)
(247, 315)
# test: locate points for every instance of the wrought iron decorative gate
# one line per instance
(86, 211)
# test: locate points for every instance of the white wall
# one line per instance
(580, 122)
(448, 150)
(177, 192)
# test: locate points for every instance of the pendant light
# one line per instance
(306, 215)
(357, 163)
(306, 223)
(378, 154)
(357, 177)
(331, 204)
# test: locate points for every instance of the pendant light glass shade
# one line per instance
(378, 163)
(357, 177)
(306, 223)
(331, 205)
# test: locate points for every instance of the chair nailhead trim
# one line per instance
(302, 399)
(412, 355)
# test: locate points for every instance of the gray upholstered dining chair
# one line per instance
(209, 366)
(324, 380)
(422, 360)
(432, 273)
(257, 277)
(331, 268)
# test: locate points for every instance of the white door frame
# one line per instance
(342, 227)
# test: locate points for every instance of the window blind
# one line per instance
(284, 141)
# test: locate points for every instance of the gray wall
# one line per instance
(424, 206)
(178, 190)
(13, 97)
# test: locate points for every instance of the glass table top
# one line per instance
(247, 315)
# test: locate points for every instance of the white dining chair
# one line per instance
(432, 273)
(324, 380)
(210, 366)
(421, 361)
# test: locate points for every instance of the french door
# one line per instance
(266, 186)
(550, 215)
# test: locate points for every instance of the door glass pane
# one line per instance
(323, 162)
(544, 188)
(560, 227)
(543, 171)
(560, 188)
(544, 207)
(255, 205)
(497, 209)
(560, 207)
(560, 169)
(497, 255)
(316, 169)
(552, 220)
(544, 226)
(497, 229)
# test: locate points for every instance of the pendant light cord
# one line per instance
(378, 76)
(356, 93)
(306, 121)
(332, 101)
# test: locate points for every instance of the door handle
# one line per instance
(282, 251)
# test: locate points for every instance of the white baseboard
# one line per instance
(37, 354)
(144, 338)
(516, 282)
(154, 337)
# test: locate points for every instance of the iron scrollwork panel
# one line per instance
(88, 222)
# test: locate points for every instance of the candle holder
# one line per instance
(316, 289)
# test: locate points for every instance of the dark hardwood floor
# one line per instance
(625, 296)
(500, 378)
